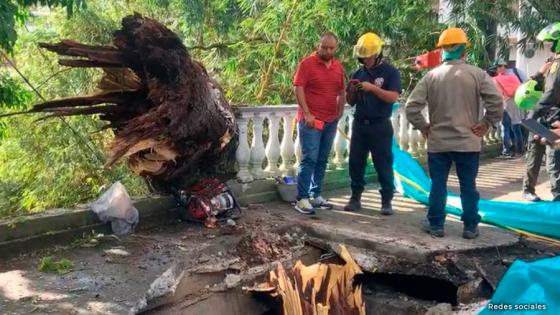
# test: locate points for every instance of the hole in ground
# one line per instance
(419, 287)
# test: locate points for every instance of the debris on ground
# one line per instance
(317, 289)
(264, 247)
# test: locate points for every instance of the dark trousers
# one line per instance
(466, 164)
(375, 138)
(512, 136)
(553, 170)
(533, 159)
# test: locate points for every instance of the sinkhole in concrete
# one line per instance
(415, 286)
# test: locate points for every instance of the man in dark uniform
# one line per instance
(535, 150)
(373, 89)
(548, 107)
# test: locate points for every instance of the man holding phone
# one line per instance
(548, 107)
(319, 89)
(455, 93)
(374, 87)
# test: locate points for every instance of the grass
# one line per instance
(63, 266)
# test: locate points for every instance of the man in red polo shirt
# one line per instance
(319, 88)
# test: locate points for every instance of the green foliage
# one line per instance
(12, 97)
(63, 266)
(12, 94)
(14, 11)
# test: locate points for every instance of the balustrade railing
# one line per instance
(269, 143)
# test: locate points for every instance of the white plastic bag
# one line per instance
(116, 207)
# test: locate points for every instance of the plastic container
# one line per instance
(287, 192)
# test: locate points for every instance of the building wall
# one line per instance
(530, 65)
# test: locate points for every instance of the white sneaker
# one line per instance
(321, 202)
(304, 206)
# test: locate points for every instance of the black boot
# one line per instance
(386, 209)
(354, 203)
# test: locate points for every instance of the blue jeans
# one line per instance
(519, 138)
(512, 136)
(315, 147)
(466, 164)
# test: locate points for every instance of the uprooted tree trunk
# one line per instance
(169, 117)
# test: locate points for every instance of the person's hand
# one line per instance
(480, 129)
(556, 130)
(309, 119)
(366, 86)
(545, 67)
(425, 132)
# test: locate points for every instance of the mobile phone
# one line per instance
(319, 124)
(540, 130)
(354, 81)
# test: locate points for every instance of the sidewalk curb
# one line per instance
(61, 226)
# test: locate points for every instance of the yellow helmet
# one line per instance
(452, 36)
(368, 45)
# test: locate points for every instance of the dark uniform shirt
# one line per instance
(368, 105)
(550, 101)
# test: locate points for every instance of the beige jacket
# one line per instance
(457, 95)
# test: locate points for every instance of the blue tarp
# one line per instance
(528, 289)
(541, 218)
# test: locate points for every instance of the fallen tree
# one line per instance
(170, 119)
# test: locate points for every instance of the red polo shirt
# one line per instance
(321, 84)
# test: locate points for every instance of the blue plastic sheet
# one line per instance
(528, 288)
(541, 218)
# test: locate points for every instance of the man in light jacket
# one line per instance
(455, 94)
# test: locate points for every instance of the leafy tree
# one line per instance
(12, 11)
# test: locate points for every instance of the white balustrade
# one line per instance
(403, 132)
(272, 150)
(243, 154)
(251, 157)
(287, 149)
(257, 147)
(413, 140)
(340, 143)
(299, 154)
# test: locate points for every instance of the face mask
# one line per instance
(455, 54)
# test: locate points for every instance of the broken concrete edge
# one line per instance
(378, 261)
(174, 284)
